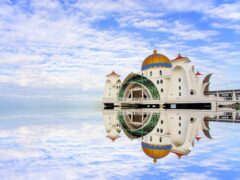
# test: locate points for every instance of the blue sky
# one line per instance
(54, 48)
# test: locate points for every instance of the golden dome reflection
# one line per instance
(156, 151)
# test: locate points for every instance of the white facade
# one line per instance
(175, 80)
(112, 87)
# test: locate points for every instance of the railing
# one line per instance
(225, 117)
(228, 98)
(227, 95)
(137, 100)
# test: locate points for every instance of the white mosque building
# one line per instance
(150, 101)
(160, 132)
(161, 83)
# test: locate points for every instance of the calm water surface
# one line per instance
(62, 144)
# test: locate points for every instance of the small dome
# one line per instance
(113, 138)
(113, 134)
(113, 74)
(179, 57)
(156, 60)
(179, 155)
(156, 151)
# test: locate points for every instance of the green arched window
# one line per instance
(138, 79)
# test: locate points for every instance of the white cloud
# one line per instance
(228, 11)
(71, 145)
(49, 44)
(233, 26)
(179, 30)
(58, 49)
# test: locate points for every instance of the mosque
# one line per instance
(160, 132)
(167, 106)
(170, 84)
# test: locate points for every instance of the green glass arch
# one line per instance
(139, 79)
(137, 133)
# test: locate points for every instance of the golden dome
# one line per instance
(156, 151)
(156, 60)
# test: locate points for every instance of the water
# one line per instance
(58, 144)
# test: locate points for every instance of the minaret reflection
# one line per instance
(160, 132)
(111, 123)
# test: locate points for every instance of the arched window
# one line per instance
(157, 81)
(161, 81)
(191, 92)
(144, 95)
(160, 139)
(130, 95)
(160, 72)
(180, 118)
(191, 120)
(150, 138)
(150, 73)
(162, 90)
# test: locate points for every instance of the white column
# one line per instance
(234, 116)
(234, 96)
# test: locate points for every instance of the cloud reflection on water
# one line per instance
(75, 147)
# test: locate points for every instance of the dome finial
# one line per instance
(155, 161)
(154, 51)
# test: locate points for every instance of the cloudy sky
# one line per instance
(65, 48)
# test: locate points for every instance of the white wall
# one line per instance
(112, 87)
(156, 76)
(178, 89)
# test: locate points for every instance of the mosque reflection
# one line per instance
(164, 132)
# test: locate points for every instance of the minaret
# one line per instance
(112, 87)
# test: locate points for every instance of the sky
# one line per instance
(58, 48)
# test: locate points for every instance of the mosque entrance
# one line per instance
(137, 93)
(135, 119)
